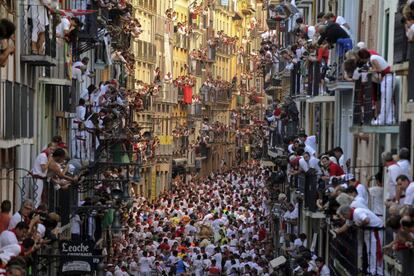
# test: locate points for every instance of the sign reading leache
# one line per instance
(78, 256)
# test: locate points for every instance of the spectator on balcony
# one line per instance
(377, 195)
(322, 268)
(330, 18)
(360, 188)
(79, 69)
(393, 171)
(40, 21)
(301, 241)
(118, 60)
(7, 30)
(65, 28)
(78, 130)
(405, 190)
(340, 157)
(363, 217)
(23, 214)
(357, 200)
(309, 141)
(404, 162)
(14, 235)
(310, 162)
(5, 215)
(332, 168)
(291, 217)
(381, 67)
(332, 33)
(39, 171)
(56, 173)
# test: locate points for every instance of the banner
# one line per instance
(79, 257)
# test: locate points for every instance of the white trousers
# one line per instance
(374, 267)
(387, 111)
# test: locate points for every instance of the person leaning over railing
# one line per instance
(7, 30)
(372, 226)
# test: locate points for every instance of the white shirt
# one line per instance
(341, 162)
(15, 219)
(409, 194)
(383, 64)
(311, 142)
(63, 26)
(360, 214)
(80, 113)
(358, 202)
(299, 242)
(363, 193)
(41, 159)
(324, 271)
(393, 172)
(145, 264)
(8, 238)
(313, 163)
(377, 200)
(405, 167)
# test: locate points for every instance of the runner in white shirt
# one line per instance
(373, 238)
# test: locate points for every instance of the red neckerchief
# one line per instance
(46, 151)
(357, 184)
(390, 163)
(378, 246)
(352, 213)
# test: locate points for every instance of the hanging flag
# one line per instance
(224, 2)
(188, 95)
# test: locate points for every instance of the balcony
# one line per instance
(335, 73)
(37, 25)
(400, 39)
(182, 41)
(348, 255)
(226, 50)
(195, 110)
(369, 115)
(145, 51)
(147, 5)
(16, 111)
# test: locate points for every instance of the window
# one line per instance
(386, 33)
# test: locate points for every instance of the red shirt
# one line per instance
(335, 170)
(323, 54)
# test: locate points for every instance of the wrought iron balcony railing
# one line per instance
(371, 107)
(38, 36)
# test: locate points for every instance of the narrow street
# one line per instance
(203, 226)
